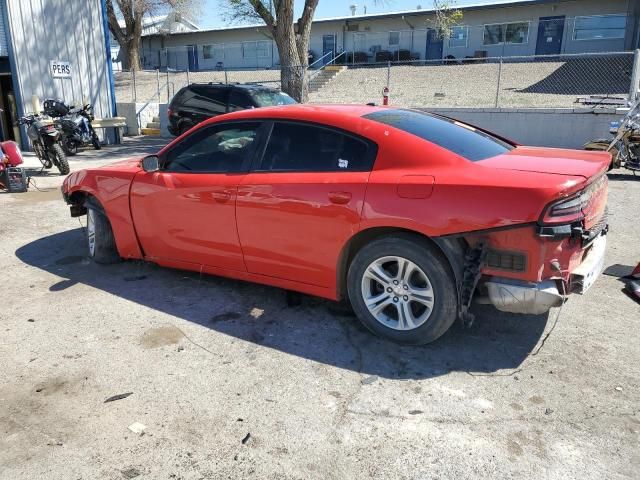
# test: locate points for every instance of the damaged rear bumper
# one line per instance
(516, 296)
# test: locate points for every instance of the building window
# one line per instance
(206, 52)
(511, 33)
(258, 49)
(394, 39)
(458, 36)
(599, 27)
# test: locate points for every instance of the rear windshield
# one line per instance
(266, 98)
(461, 139)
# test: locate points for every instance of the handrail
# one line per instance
(157, 94)
(320, 59)
(316, 72)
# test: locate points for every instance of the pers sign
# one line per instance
(60, 69)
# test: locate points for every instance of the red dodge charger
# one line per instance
(408, 215)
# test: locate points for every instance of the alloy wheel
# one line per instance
(397, 292)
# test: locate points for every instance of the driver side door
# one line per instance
(184, 213)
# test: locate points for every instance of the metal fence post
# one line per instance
(188, 82)
(158, 83)
(499, 81)
(226, 80)
(168, 97)
(388, 73)
(135, 88)
(635, 77)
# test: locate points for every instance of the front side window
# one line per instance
(458, 36)
(599, 27)
(207, 100)
(268, 98)
(310, 148)
(456, 137)
(239, 100)
(215, 149)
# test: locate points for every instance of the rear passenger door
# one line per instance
(302, 201)
(207, 102)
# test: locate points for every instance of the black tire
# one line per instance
(438, 273)
(104, 249)
(60, 159)
(95, 140)
(70, 147)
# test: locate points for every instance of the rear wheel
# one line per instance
(59, 158)
(402, 289)
(100, 240)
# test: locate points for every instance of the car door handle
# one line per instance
(339, 198)
(221, 196)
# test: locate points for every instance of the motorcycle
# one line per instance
(45, 139)
(13, 177)
(74, 125)
(625, 146)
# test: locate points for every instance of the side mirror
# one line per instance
(151, 163)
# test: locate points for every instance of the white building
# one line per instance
(524, 27)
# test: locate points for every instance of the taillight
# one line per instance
(169, 112)
(574, 208)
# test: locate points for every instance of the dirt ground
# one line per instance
(229, 382)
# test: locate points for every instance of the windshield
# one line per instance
(457, 137)
(266, 98)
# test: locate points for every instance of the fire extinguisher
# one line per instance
(385, 96)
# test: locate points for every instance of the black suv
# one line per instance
(199, 101)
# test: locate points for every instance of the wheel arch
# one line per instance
(452, 250)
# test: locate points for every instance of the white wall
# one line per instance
(562, 128)
(64, 30)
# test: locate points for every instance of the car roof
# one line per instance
(302, 111)
(244, 86)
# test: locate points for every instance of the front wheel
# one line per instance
(95, 140)
(59, 158)
(100, 239)
(401, 288)
(69, 146)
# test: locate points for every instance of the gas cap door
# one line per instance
(416, 186)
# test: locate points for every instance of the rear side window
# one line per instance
(208, 100)
(312, 148)
(456, 137)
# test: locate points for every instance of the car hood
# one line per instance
(551, 160)
(129, 165)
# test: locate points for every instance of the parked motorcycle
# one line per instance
(625, 146)
(13, 177)
(74, 125)
(45, 139)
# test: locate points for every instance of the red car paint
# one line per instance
(290, 229)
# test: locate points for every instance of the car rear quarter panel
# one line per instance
(110, 186)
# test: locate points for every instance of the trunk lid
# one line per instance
(586, 164)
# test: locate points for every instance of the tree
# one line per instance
(292, 39)
(129, 36)
(446, 16)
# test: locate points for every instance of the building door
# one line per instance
(435, 45)
(328, 46)
(192, 53)
(550, 31)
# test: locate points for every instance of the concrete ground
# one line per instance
(230, 382)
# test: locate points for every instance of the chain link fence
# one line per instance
(556, 81)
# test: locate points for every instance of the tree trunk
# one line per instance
(131, 54)
(293, 71)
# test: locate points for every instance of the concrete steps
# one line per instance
(152, 128)
(324, 77)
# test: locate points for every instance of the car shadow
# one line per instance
(315, 329)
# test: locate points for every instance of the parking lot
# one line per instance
(229, 381)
